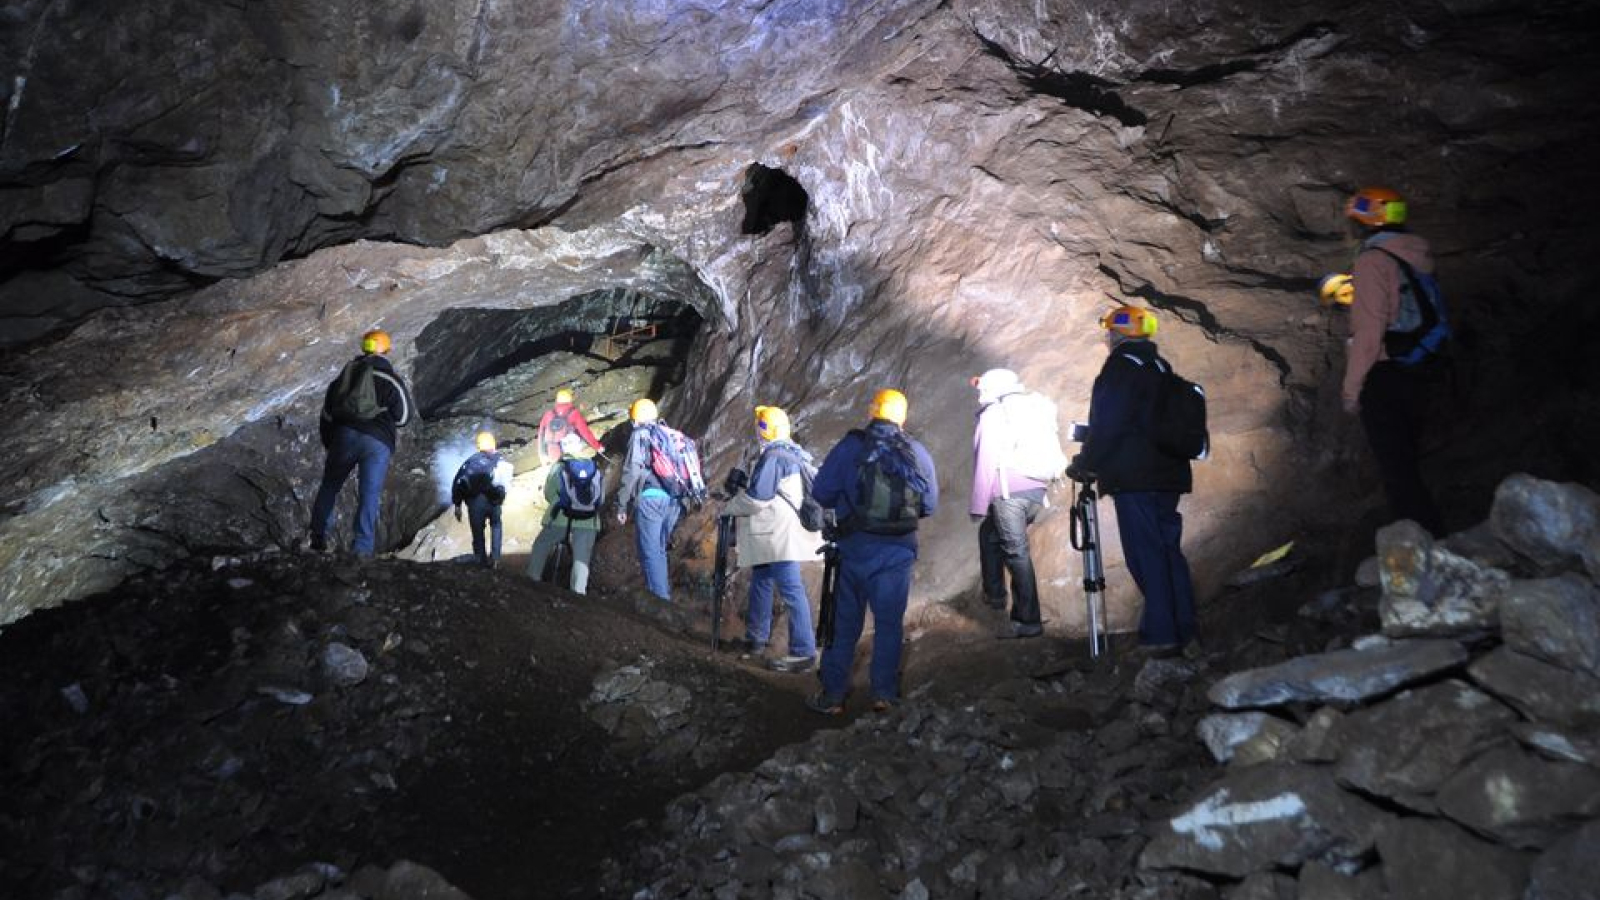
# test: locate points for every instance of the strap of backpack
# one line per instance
(1430, 316)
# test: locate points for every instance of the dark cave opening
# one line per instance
(771, 196)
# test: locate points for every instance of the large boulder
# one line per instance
(1264, 817)
(1426, 859)
(1341, 676)
(1520, 799)
(1428, 590)
(1405, 748)
(1555, 526)
(1556, 620)
(1570, 869)
(1537, 689)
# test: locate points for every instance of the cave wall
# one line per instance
(984, 179)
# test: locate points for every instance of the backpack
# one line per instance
(889, 488)
(581, 488)
(675, 461)
(1422, 329)
(1179, 412)
(354, 397)
(810, 511)
(476, 478)
(1036, 434)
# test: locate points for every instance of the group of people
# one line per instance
(879, 482)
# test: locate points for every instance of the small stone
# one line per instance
(1314, 742)
(1428, 590)
(1560, 744)
(1223, 732)
(76, 698)
(344, 666)
(299, 886)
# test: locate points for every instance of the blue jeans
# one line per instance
(655, 516)
(784, 578)
(1152, 535)
(873, 575)
(481, 509)
(348, 450)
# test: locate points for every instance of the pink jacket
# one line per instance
(991, 441)
(1377, 302)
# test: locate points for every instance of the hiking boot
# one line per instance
(1019, 630)
(746, 647)
(824, 704)
(793, 664)
(1161, 651)
(883, 704)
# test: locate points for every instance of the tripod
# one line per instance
(1085, 534)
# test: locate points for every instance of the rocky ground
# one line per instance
(297, 726)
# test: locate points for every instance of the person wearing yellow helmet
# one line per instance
(1396, 319)
(659, 475)
(1145, 482)
(573, 492)
(879, 482)
(772, 541)
(361, 412)
(480, 486)
(560, 420)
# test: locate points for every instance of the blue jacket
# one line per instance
(835, 484)
(778, 460)
(1121, 448)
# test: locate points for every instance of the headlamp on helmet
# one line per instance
(1130, 321)
(375, 341)
(1376, 207)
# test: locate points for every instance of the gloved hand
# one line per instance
(458, 512)
(1076, 470)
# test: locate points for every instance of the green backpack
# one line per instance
(355, 393)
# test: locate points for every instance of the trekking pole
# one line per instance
(830, 583)
(727, 537)
(1085, 535)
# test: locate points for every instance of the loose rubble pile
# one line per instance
(1478, 780)
(207, 728)
(1454, 755)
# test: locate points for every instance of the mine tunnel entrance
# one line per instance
(500, 371)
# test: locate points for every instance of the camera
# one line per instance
(1078, 432)
(735, 482)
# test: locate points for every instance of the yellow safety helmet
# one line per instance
(486, 442)
(1376, 207)
(772, 423)
(1340, 289)
(643, 411)
(375, 341)
(889, 404)
(563, 396)
(1130, 321)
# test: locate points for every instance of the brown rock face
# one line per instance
(979, 181)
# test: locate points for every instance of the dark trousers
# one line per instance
(481, 510)
(351, 450)
(1152, 535)
(876, 576)
(1391, 413)
(1002, 547)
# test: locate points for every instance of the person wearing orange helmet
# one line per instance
(560, 420)
(1145, 482)
(879, 482)
(1385, 368)
(361, 412)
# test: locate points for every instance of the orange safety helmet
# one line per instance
(1130, 321)
(375, 341)
(1376, 207)
(889, 404)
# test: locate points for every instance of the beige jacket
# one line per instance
(770, 530)
(1377, 303)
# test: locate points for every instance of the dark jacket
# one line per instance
(1121, 448)
(835, 484)
(392, 395)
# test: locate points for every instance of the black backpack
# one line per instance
(889, 488)
(354, 397)
(1177, 414)
(476, 478)
(580, 489)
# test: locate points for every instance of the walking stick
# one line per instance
(830, 583)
